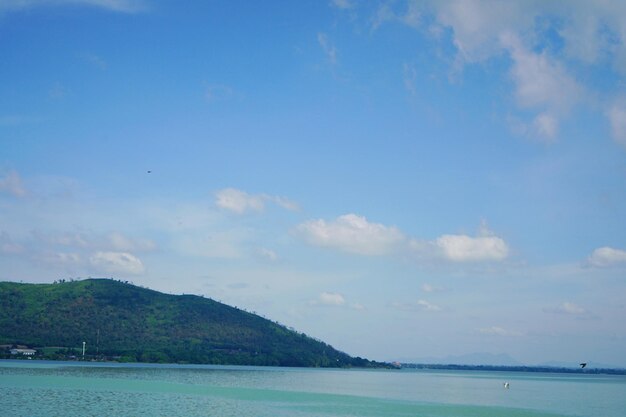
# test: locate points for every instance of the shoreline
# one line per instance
(403, 366)
(520, 368)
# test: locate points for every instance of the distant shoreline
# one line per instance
(398, 366)
(121, 363)
(505, 368)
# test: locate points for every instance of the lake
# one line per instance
(41, 388)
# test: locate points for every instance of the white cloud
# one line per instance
(540, 80)
(543, 84)
(483, 29)
(240, 202)
(352, 233)
(583, 39)
(117, 263)
(268, 254)
(486, 29)
(61, 259)
(64, 239)
(328, 47)
(607, 257)
(283, 202)
(568, 308)
(12, 184)
(498, 331)
(419, 305)
(594, 32)
(342, 4)
(463, 248)
(549, 43)
(410, 16)
(477, 24)
(330, 299)
(571, 308)
(333, 299)
(546, 126)
(431, 288)
(413, 15)
(426, 306)
(383, 14)
(126, 6)
(355, 234)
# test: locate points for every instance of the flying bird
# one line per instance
(582, 365)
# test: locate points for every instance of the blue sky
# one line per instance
(402, 179)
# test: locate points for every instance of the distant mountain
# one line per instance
(129, 323)
(482, 358)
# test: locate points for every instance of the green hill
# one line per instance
(130, 323)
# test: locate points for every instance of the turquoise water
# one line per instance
(34, 388)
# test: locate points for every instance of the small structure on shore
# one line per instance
(23, 352)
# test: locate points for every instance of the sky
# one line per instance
(401, 179)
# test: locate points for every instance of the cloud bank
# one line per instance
(117, 263)
(352, 233)
(550, 48)
(607, 257)
(463, 248)
(330, 299)
(355, 234)
(570, 309)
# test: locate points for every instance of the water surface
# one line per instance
(39, 388)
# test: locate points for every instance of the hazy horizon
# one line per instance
(396, 178)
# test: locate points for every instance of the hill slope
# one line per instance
(138, 324)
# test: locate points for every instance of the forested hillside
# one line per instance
(130, 323)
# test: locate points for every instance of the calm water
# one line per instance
(34, 388)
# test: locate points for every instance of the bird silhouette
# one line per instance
(582, 365)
